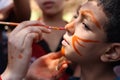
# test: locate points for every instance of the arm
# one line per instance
(22, 10)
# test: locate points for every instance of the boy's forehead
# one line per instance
(89, 5)
(81, 6)
(96, 14)
(78, 9)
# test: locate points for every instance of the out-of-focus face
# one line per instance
(51, 7)
(85, 38)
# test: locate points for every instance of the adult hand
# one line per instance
(44, 68)
(20, 42)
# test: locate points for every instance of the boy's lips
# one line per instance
(65, 42)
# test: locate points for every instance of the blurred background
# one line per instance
(69, 10)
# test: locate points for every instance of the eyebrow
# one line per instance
(78, 9)
(91, 15)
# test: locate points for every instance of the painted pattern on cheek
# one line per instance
(92, 17)
(76, 39)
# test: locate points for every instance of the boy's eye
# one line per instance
(86, 27)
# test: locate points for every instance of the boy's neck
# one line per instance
(97, 72)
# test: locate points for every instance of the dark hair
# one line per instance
(112, 28)
(112, 10)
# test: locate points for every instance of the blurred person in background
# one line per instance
(52, 15)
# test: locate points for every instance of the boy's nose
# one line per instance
(70, 27)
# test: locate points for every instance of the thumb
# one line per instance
(55, 55)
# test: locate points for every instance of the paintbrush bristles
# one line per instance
(57, 28)
(15, 24)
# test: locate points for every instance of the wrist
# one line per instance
(10, 75)
(0, 77)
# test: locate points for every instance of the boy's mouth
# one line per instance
(65, 42)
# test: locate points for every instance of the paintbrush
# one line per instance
(15, 24)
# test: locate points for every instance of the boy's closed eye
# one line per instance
(86, 26)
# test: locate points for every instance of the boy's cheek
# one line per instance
(71, 55)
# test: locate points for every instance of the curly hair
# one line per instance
(112, 10)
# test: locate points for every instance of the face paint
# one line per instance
(91, 15)
(62, 51)
(76, 39)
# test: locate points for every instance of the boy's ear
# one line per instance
(112, 54)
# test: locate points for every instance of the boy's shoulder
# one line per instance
(77, 78)
(118, 78)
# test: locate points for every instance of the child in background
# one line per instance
(52, 15)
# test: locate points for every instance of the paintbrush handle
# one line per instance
(15, 24)
(9, 23)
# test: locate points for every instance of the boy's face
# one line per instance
(51, 6)
(85, 37)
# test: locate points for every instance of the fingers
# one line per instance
(29, 41)
(34, 34)
(60, 72)
(54, 55)
(29, 33)
(26, 24)
(62, 63)
(63, 67)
